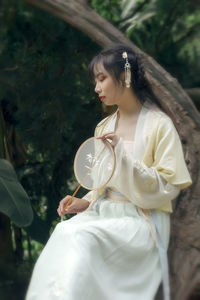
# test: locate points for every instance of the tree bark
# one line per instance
(6, 249)
(184, 252)
(194, 93)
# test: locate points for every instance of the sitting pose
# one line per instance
(115, 247)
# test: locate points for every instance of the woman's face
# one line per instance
(108, 90)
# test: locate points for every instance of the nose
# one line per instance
(97, 88)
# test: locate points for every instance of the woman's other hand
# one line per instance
(110, 136)
(76, 205)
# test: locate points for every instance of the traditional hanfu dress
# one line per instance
(109, 251)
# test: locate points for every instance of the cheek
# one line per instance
(117, 91)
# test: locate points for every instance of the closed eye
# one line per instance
(101, 78)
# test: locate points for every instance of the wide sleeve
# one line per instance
(88, 196)
(168, 157)
(153, 186)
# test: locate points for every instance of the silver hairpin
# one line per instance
(127, 68)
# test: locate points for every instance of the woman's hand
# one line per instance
(111, 136)
(76, 205)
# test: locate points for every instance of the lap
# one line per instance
(111, 248)
(114, 225)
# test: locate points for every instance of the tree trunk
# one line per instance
(194, 93)
(184, 252)
(6, 249)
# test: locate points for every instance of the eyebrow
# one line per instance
(98, 74)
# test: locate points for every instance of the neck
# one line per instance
(129, 104)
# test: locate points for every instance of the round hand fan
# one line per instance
(94, 164)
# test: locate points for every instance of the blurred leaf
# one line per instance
(136, 12)
(138, 20)
(168, 31)
(14, 201)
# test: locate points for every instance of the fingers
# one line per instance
(106, 136)
(61, 208)
(65, 202)
(110, 135)
(60, 212)
(70, 209)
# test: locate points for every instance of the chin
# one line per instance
(108, 104)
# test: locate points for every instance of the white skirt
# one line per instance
(100, 254)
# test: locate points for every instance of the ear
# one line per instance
(122, 79)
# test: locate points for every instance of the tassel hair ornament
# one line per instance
(127, 68)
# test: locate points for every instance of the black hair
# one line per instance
(113, 62)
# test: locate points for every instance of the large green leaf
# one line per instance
(14, 201)
(128, 8)
(136, 12)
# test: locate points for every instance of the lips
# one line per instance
(102, 98)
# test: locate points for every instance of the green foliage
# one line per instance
(14, 200)
(135, 13)
(109, 9)
(169, 31)
(46, 94)
(32, 249)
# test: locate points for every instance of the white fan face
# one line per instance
(94, 163)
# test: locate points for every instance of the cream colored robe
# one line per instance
(157, 171)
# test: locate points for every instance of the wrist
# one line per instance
(86, 201)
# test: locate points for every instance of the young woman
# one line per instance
(110, 249)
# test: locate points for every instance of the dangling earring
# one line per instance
(127, 68)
